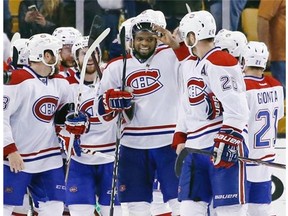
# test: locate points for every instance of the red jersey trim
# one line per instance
(222, 58)
(9, 149)
(20, 75)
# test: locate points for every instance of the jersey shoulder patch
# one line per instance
(222, 58)
(20, 75)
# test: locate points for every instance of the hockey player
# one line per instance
(266, 103)
(68, 36)
(32, 156)
(217, 72)
(90, 174)
(145, 143)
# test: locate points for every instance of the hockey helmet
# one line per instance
(22, 51)
(81, 43)
(39, 43)
(68, 35)
(233, 41)
(201, 23)
(142, 23)
(255, 54)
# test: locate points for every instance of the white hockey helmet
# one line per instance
(68, 35)
(21, 47)
(81, 43)
(141, 23)
(157, 16)
(39, 43)
(255, 54)
(233, 41)
(201, 23)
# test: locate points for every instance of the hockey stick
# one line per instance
(31, 205)
(118, 135)
(96, 28)
(187, 150)
(89, 52)
(188, 8)
(16, 36)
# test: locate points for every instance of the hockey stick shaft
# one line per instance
(118, 135)
(180, 158)
(31, 205)
(188, 8)
(244, 159)
(89, 52)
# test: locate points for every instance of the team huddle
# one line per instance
(73, 128)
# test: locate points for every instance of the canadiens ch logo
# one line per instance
(45, 107)
(87, 106)
(143, 82)
(196, 90)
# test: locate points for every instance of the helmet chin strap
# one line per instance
(51, 65)
(190, 47)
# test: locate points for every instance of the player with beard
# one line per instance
(152, 75)
(68, 36)
(90, 175)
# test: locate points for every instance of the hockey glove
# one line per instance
(77, 124)
(64, 140)
(114, 99)
(76, 145)
(225, 152)
(214, 108)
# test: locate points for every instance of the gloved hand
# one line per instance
(225, 152)
(114, 99)
(214, 106)
(77, 124)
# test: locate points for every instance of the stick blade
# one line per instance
(122, 35)
(179, 162)
(97, 27)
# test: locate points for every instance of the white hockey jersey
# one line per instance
(155, 85)
(216, 72)
(101, 136)
(265, 98)
(30, 103)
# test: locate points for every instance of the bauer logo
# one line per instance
(226, 196)
(196, 90)
(45, 107)
(144, 82)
